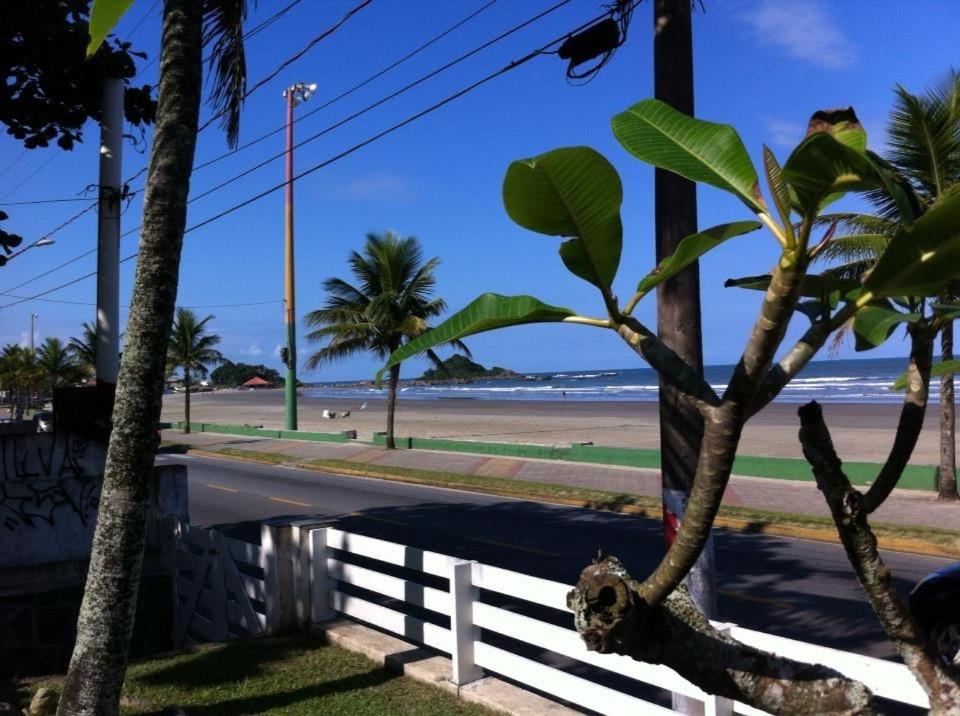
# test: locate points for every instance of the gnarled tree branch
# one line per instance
(613, 617)
(848, 507)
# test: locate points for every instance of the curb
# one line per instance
(905, 545)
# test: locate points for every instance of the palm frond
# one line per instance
(223, 22)
(855, 247)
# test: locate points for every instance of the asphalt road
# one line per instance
(791, 587)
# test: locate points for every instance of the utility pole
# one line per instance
(678, 299)
(33, 321)
(108, 233)
(295, 94)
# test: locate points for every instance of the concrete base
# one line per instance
(429, 667)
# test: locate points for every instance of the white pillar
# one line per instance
(462, 596)
(108, 232)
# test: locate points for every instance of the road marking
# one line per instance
(753, 598)
(290, 502)
(505, 545)
(222, 487)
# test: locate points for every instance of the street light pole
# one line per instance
(33, 321)
(294, 95)
(35, 244)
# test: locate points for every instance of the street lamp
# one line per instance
(295, 94)
(33, 322)
(35, 244)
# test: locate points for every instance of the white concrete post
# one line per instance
(718, 705)
(278, 577)
(108, 232)
(320, 609)
(302, 559)
(462, 596)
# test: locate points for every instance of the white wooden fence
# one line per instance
(311, 575)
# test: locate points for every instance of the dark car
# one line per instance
(935, 604)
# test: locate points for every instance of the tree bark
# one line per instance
(186, 399)
(392, 406)
(947, 483)
(99, 660)
(678, 298)
(848, 508)
(612, 617)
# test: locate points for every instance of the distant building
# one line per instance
(257, 382)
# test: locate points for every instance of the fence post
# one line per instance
(278, 576)
(718, 705)
(462, 596)
(320, 609)
(302, 560)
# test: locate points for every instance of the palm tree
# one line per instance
(99, 660)
(389, 304)
(192, 350)
(18, 377)
(924, 138)
(57, 365)
(85, 348)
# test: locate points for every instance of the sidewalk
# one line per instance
(904, 507)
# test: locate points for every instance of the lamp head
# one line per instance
(44, 242)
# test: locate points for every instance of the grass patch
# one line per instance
(273, 458)
(283, 675)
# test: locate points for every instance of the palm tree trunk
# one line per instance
(947, 484)
(99, 660)
(186, 399)
(392, 406)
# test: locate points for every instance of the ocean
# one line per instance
(832, 381)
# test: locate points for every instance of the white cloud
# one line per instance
(377, 186)
(276, 350)
(253, 349)
(802, 29)
(785, 134)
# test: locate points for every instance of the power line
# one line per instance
(215, 305)
(30, 176)
(370, 140)
(21, 155)
(41, 201)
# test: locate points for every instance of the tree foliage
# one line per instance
(231, 374)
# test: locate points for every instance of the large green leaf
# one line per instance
(842, 124)
(692, 248)
(937, 370)
(922, 256)
(946, 310)
(821, 168)
(484, 313)
(875, 322)
(702, 151)
(104, 16)
(814, 286)
(572, 192)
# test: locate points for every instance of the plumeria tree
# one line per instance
(576, 193)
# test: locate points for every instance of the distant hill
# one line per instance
(459, 366)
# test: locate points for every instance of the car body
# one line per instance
(935, 604)
(44, 422)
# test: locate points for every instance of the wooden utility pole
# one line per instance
(678, 298)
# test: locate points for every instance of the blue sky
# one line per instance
(762, 65)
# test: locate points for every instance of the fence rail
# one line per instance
(309, 575)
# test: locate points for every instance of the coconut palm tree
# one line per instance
(191, 350)
(57, 365)
(388, 304)
(99, 660)
(85, 348)
(924, 139)
(18, 377)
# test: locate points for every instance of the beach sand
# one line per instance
(861, 432)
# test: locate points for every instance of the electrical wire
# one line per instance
(30, 176)
(214, 305)
(356, 147)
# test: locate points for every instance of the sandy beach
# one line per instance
(861, 432)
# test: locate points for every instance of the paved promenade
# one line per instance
(903, 507)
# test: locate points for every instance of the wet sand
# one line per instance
(861, 432)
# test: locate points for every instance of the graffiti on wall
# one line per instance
(46, 476)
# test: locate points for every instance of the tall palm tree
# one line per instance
(924, 139)
(57, 365)
(99, 660)
(191, 350)
(85, 348)
(389, 304)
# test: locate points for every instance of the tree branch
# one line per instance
(612, 617)
(911, 417)
(671, 367)
(848, 508)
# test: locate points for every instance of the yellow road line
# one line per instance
(222, 487)
(753, 598)
(290, 502)
(506, 545)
